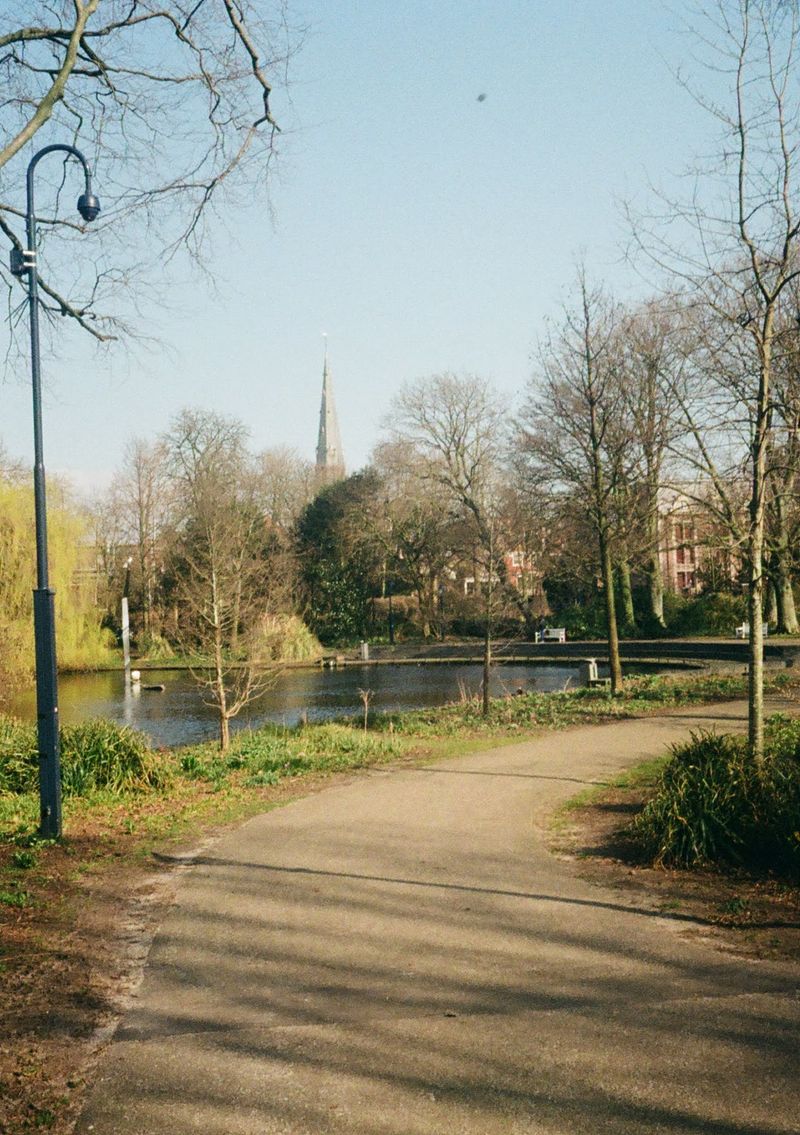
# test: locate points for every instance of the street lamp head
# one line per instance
(88, 206)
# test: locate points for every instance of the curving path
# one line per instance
(399, 955)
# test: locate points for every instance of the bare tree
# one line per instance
(739, 270)
(571, 436)
(141, 496)
(286, 485)
(219, 562)
(651, 363)
(170, 99)
(456, 429)
(11, 468)
(419, 530)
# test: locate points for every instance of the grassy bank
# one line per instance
(105, 764)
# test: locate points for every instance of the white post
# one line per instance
(126, 642)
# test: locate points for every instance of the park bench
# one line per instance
(744, 630)
(553, 634)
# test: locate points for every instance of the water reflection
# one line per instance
(178, 716)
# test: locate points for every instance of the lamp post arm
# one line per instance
(30, 216)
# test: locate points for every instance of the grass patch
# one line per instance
(266, 756)
(557, 710)
(644, 775)
(641, 776)
(16, 895)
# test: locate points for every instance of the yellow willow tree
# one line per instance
(80, 640)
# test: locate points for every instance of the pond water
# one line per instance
(177, 715)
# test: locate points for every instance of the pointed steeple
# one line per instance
(330, 460)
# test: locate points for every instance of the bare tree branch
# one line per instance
(170, 101)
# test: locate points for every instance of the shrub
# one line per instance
(713, 804)
(587, 620)
(100, 754)
(155, 646)
(284, 638)
(18, 759)
(94, 755)
(674, 690)
(715, 613)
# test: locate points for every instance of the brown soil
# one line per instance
(746, 914)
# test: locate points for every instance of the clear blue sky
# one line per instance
(422, 229)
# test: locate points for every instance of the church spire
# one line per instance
(330, 461)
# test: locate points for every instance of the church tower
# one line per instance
(330, 460)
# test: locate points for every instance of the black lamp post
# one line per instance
(23, 262)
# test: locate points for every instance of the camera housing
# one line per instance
(88, 206)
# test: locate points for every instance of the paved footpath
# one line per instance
(400, 955)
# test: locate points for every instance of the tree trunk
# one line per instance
(755, 549)
(614, 664)
(655, 580)
(784, 595)
(487, 638)
(144, 578)
(427, 608)
(755, 692)
(487, 664)
(655, 592)
(220, 692)
(771, 613)
(626, 596)
(236, 616)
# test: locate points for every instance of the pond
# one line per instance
(177, 715)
